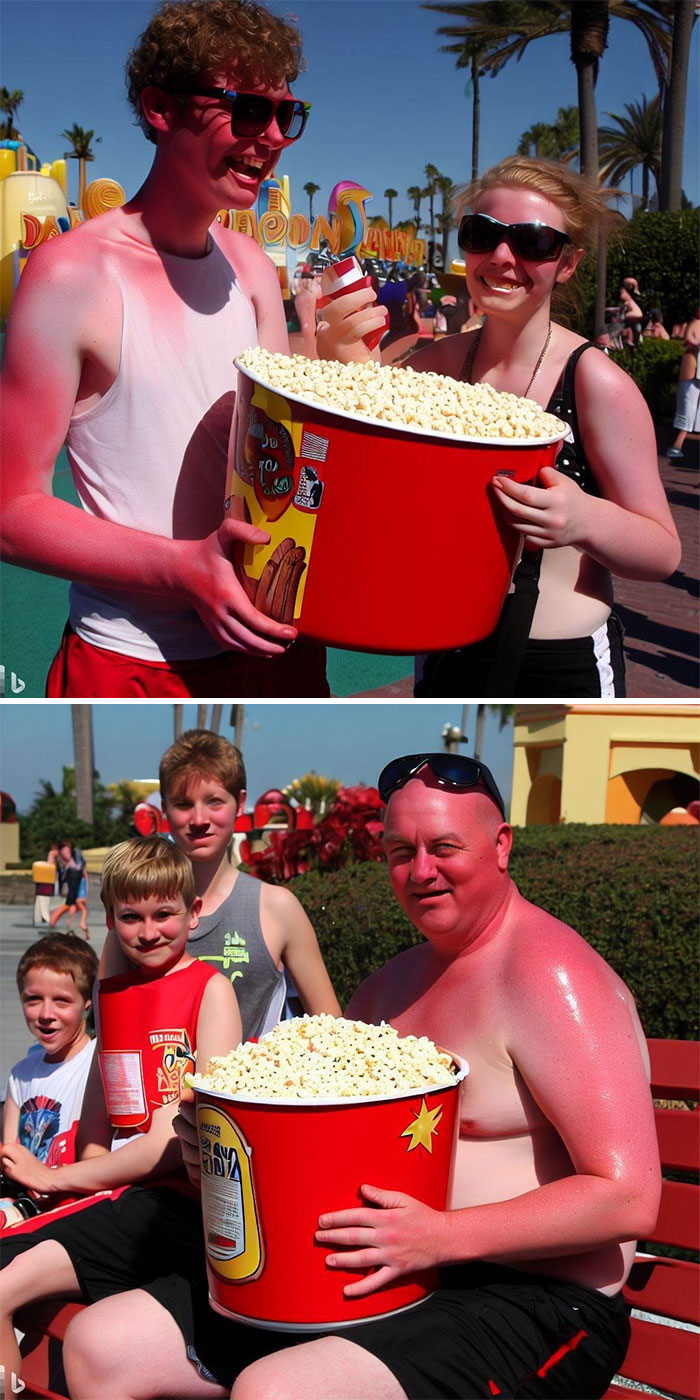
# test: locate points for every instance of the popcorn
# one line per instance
(431, 403)
(324, 1057)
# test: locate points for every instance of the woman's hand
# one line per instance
(548, 516)
(22, 1166)
(345, 321)
(403, 1236)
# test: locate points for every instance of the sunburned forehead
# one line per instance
(518, 204)
(435, 806)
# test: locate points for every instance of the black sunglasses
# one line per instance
(452, 768)
(535, 242)
(251, 112)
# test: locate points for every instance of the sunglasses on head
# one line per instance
(452, 768)
(535, 242)
(252, 112)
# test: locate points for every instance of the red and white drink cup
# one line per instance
(343, 277)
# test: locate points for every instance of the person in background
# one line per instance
(655, 328)
(45, 1090)
(74, 880)
(630, 311)
(687, 416)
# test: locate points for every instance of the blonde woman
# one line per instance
(603, 509)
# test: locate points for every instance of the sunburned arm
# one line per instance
(629, 529)
(48, 343)
(573, 1040)
(259, 280)
(288, 927)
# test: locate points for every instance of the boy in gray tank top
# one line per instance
(250, 931)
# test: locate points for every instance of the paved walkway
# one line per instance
(661, 620)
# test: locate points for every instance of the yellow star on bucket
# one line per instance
(422, 1128)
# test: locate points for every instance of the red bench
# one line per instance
(659, 1355)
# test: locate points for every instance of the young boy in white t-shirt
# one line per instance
(45, 1090)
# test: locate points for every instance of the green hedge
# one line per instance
(654, 367)
(632, 892)
(661, 251)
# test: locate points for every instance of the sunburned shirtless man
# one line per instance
(557, 1167)
(121, 342)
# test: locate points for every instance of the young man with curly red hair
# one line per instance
(121, 343)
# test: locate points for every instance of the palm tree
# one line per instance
(552, 140)
(432, 175)
(670, 193)
(487, 33)
(311, 189)
(10, 100)
(391, 195)
(446, 218)
(80, 140)
(637, 141)
(415, 194)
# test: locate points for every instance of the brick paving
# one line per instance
(661, 620)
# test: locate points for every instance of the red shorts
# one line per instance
(80, 669)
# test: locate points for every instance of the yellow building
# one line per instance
(603, 763)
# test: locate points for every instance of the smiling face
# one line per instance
(202, 817)
(211, 166)
(153, 931)
(54, 1011)
(500, 281)
(447, 852)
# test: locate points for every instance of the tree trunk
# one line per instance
(81, 185)
(216, 711)
(237, 713)
(674, 107)
(645, 186)
(479, 732)
(476, 115)
(177, 722)
(201, 716)
(84, 761)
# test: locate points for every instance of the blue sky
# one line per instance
(280, 742)
(385, 100)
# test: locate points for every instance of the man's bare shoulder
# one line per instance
(244, 253)
(76, 264)
(542, 950)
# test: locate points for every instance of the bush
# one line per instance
(632, 892)
(660, 250)
(654, 367)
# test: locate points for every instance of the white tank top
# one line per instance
(152, 454)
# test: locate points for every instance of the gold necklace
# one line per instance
(469, 367)
(545, 348)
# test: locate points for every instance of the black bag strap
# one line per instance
(514, 626)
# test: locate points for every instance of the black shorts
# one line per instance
(116, 1245)
(487, 1331)
(572, 668)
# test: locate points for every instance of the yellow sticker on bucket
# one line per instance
(231, 1227)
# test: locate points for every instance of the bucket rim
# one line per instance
(504, 443)
(461, 1067)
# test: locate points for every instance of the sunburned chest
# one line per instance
(495, 1100)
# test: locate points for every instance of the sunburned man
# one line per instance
(557, 1167)
(121, 342)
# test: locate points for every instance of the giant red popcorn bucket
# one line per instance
(271, 1167)
(381, 538)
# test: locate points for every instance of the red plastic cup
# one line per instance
(341, 278)
(382, 538)
(270, 1168)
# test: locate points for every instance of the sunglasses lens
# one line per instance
(537, 242)
(291, 119)
(250, 114)
(395, 773)
(478, 234)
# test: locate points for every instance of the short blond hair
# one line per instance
(146, 866)
(584, 204)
